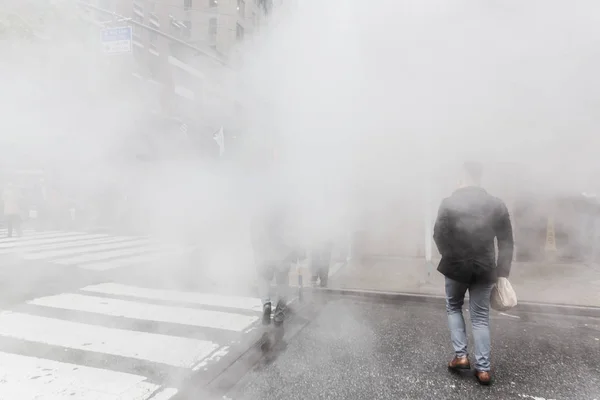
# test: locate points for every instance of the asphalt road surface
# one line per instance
(106, 317)
(365, 350)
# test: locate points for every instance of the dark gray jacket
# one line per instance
(467, 223)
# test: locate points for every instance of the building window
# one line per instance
(175, 26)
(239, 32)
(138, 9)
(154, 21)
(212, 30)
(187, 31)
(187, 4)
(212, 3)
(137, 30)
(241, 7)
(153, 37)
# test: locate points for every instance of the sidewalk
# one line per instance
(572, 284)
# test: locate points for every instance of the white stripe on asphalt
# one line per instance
(243, 303)
(112, 264)
(105, 255)
(4, 232)
(26, 235)
(65, 245)
(171, 350)
(36, 236)
(87, 249)
(150, 312)
(30, 378)
(31, 232)
(61, 239)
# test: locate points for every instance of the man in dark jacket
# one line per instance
(467, 224)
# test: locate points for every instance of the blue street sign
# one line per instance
(117, 40)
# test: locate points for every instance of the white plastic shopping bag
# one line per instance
(503, 296)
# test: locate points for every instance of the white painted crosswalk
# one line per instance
(93, 343)
(31, 378)
(96, 252)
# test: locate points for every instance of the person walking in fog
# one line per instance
(273, 258)
(12, 209)
(320, 259)
(467, 223)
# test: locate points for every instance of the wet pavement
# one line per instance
(86, 326)
(366, 350)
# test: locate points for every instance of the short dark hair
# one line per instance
(473, 170)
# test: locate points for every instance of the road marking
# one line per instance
(214, 357)
(65, 245)
(176, 351)
(509, 315)
(83, 258)
(112, 264)
(30, 378)
(90, 248)
(63, 238)
(95, 252)
(28, 236)
(149, 312)
(243, 303)
(526, 396)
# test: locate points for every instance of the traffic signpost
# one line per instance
(117, 40)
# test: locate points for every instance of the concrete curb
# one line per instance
(400, 297)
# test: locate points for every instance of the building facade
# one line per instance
(184, 47)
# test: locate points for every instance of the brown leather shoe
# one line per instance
(459, 363)
(483, 377)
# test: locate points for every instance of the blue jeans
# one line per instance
(479, 309)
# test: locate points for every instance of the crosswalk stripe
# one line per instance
(83, 258)
(31, 378)
(79, 250)
(149, 312)
(4, 232)
(64, 245)
(60, 239)
(95, 252)
(113, 264)
(243, 303)
(153, 347)
(32, 236)
(37, 236)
